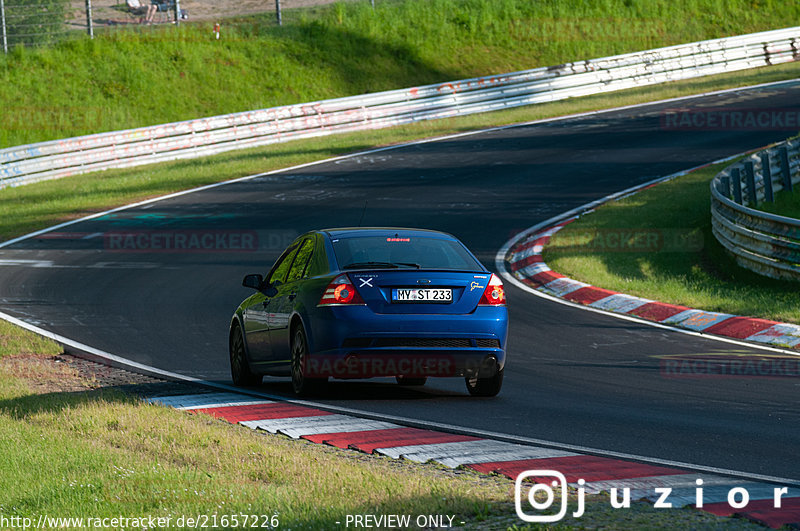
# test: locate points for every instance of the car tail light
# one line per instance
(494, 294)
(340, 292)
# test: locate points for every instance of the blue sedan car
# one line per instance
(371, 302)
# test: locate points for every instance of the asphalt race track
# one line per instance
(573, 377)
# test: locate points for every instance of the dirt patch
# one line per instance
(210, 9)
(116, 12)
(45, 374)
(66, 373)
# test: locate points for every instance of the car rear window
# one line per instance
(404, 251)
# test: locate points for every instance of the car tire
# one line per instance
(240, 369)
(301, 383)
(485, 386)
(406, 381)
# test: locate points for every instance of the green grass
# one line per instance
(15, 341)
(699, 276)
(786, 204)
(67, 450)
(143, 76)
(101, 454)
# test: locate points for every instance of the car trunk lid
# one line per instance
(420, 291)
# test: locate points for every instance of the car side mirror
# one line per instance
(253, 282)
(270, 291)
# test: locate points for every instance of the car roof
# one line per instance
(354, 232)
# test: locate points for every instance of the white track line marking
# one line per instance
(698, 319)
(620, 302)
(149, 202)
(296, 427)
(788, 333)
(499, 456)
(645, 485)
(500, 265)
(564, 286)
(443, 449)
(352, 424)
(146, 369)
(113, 360)
(206, 401)
(275, 425)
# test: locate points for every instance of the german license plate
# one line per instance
(429, 295)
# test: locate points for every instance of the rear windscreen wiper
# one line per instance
(360, 265)
(386, 265)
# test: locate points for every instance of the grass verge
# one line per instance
(786, 204)
(32, 207)
(71, 449)
(149, 75)
(677, 261)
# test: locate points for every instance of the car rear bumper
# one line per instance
(370, 363)
(354, 342)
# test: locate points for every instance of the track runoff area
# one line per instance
(583, 396)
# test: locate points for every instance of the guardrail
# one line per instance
(765, 243)
(209, 136)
